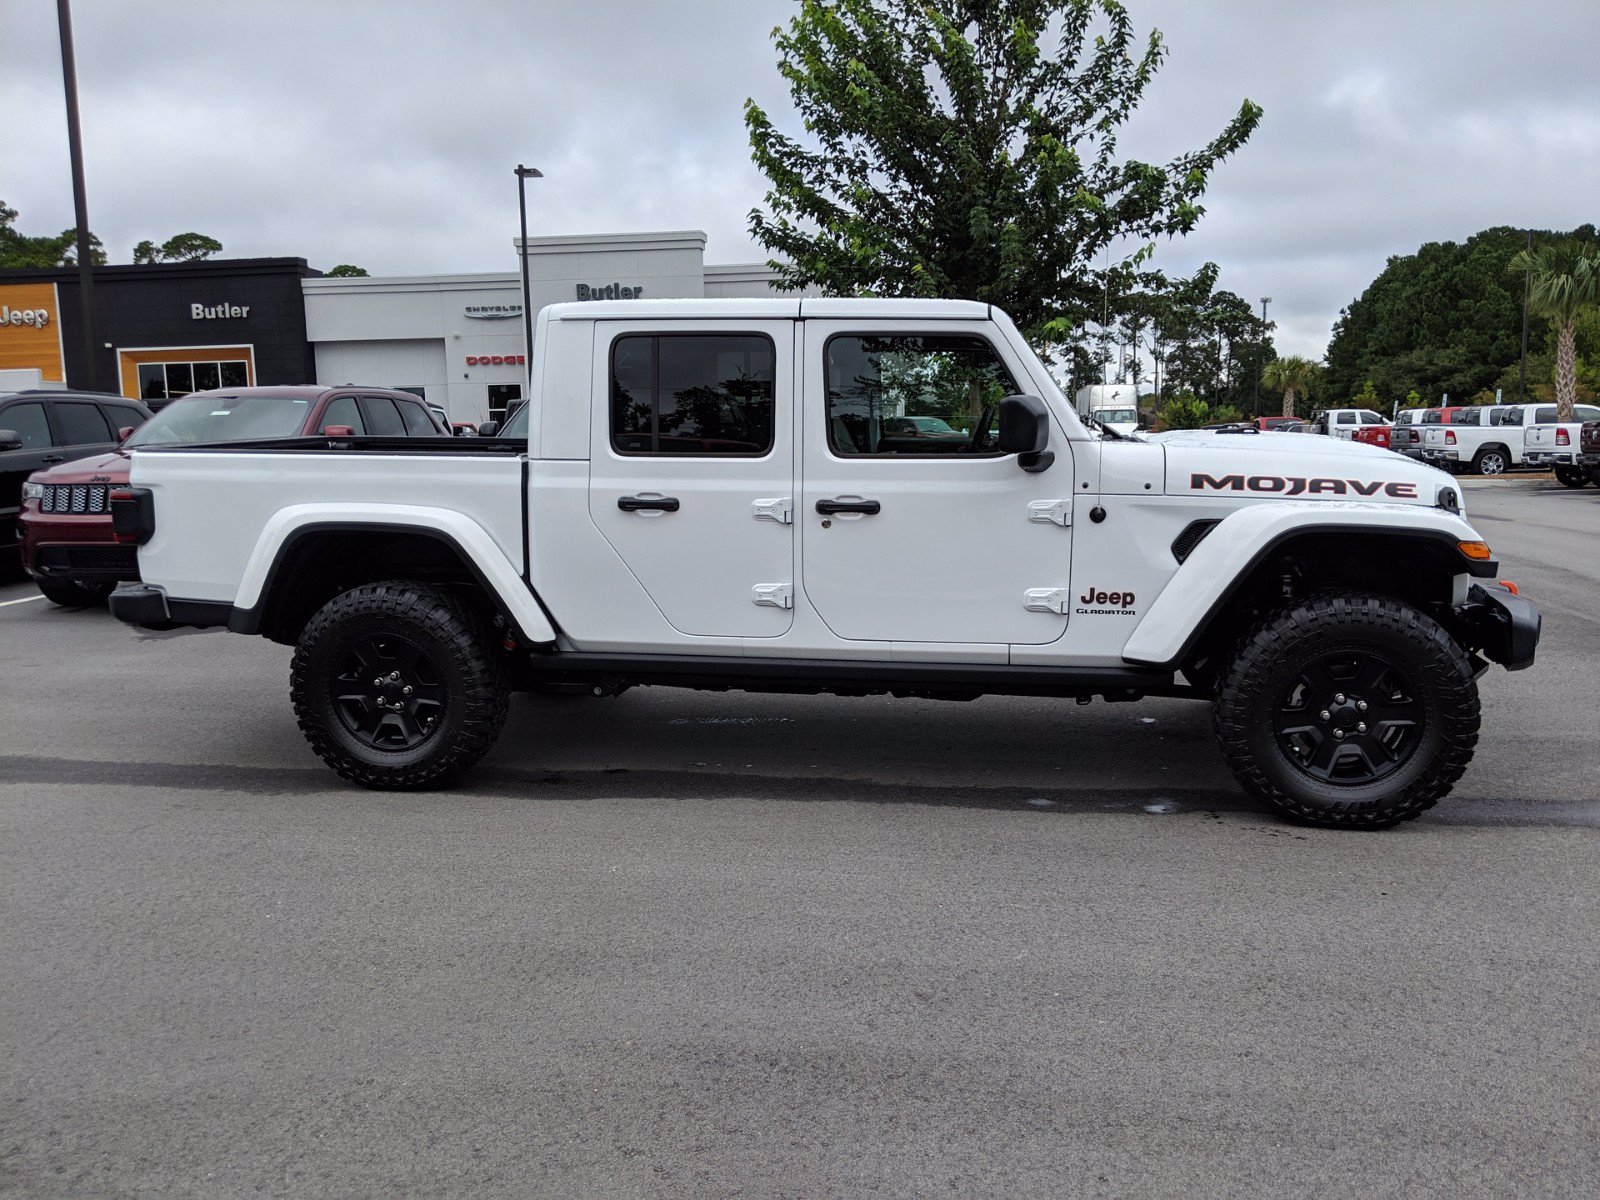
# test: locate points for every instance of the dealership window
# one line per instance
(692, 394)
(168, 381)
(501, 397)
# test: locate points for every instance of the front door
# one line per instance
(691, 468)
(916, 529)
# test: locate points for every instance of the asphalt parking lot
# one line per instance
(680, 943)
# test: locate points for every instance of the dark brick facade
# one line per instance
(149, 306)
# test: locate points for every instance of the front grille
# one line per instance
(78, 499)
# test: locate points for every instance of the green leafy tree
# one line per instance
(1413, 399)
(346, 271)
(1563, 285)
(17, 249)
(182, 247)
(1184, 411)
(1289, 375)
(1367, 397)
(968, 148)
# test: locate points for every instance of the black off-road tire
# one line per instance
(457, 648)
(1273, 656)
(69, 593)
(1572, 477)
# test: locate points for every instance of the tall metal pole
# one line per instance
(523, 175)
(1261, 353)
(80, 201)
(1522, 366)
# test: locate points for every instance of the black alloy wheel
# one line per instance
(1572, 477)
(399, 684)
(389, 694)
(1349, 718)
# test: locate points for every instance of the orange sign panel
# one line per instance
(30, 329)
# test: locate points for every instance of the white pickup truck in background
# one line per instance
(1485, 440)
(745, 494)
(1558, 446)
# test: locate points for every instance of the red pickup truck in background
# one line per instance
(68, 545)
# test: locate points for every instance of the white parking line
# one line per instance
(24, 600)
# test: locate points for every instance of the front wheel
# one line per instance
(398, 685)
(1348, 711)
(1572, 477)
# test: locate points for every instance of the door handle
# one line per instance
(643, 503)
(869, 507)
(54, 458)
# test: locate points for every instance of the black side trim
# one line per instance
(1193, 534)
(1488, 569)
(250, 620)
(848, 675)
(463, 447)
(148, 607)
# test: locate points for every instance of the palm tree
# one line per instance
(1563, 281)
(1289, 375)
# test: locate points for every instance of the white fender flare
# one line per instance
(1208, 576)
(482, 554)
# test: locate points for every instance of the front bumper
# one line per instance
(1500, 624)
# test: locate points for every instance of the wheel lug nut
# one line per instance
(1339, 699)
(1339, 733)
(1362, 705)
(406, 690)
(377, 683)
(1362, 727)
(1325, 714)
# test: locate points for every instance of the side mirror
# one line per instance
(488, 428)
(1025, 432)
(124, 434)
(10, 439)
(338, 431)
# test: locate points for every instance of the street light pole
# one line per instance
(523, 175)
(1522, 363)
(1261, 354)
(80, 201)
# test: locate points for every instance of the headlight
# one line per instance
(33, 491)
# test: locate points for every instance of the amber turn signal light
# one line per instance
(1477, 550)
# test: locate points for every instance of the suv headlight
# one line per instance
(33, 491)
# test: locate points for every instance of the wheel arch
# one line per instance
(1255, 559)
(302, 561)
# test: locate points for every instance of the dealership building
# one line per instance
(456, 340)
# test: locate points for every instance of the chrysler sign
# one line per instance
(493, 312)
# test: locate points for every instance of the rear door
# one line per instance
(691, 468)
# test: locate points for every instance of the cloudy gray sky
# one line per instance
(384, 133)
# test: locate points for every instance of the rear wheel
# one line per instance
(1348, 711)
(1573, 477)
(69, 593)
(398, 685)
(1491, 460)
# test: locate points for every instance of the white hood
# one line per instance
(1295, 466)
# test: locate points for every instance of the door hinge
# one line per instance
(779, 509)
(1050, 600)
(773, 595)
(1053, 512)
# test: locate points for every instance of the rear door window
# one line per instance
(28, 422)
(80, 424)
(382, 419)
(120, 416)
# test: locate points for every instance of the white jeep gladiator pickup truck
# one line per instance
(732, 494)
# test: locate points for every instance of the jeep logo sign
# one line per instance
(38, 318)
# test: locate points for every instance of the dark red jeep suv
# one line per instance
(68, 544)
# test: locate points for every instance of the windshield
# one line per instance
(1121, 416)
(214, 418)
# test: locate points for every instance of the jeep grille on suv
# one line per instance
(75, 498)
